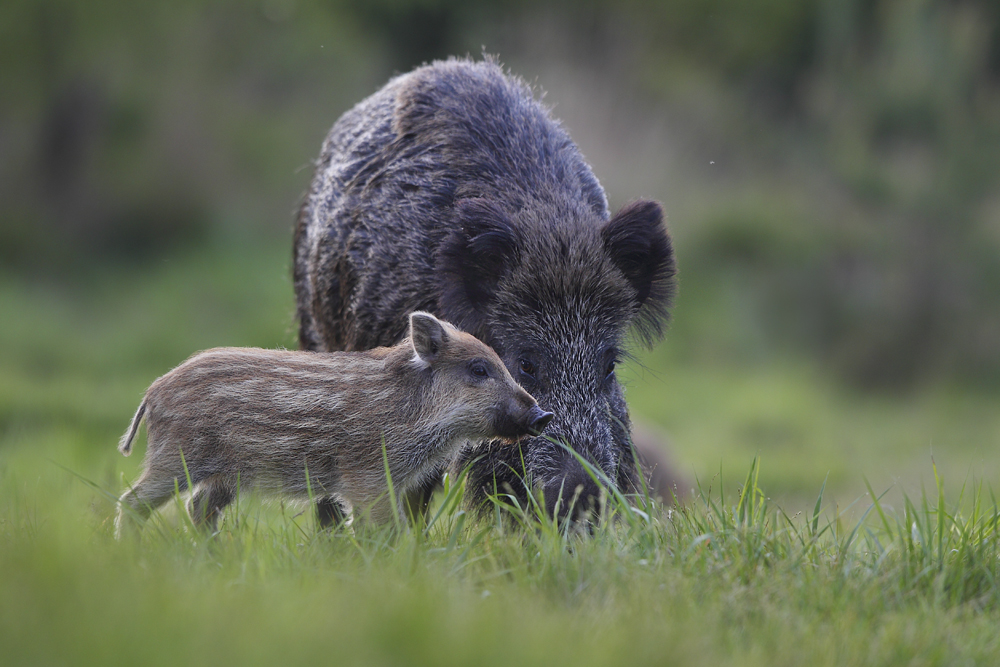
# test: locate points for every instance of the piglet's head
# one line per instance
(472, 391)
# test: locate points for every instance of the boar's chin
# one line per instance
(575, 496)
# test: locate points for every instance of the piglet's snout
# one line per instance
(521, 417)
(537, 419)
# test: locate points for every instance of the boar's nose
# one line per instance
(538, 419)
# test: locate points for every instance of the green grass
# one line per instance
(722, 580)
(808, 429)
(755, 569)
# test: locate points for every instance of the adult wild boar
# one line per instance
(452, 190)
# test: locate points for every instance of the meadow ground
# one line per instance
(768, 565)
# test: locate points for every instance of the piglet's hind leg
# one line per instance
(209, 499)
(136, 504)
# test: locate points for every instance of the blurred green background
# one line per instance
(830, 169)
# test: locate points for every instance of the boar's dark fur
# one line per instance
(452, 190)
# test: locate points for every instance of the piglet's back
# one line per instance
(273, 398)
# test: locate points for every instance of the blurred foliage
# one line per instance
(132, 128)
(893, 273)
(873, 242)
(908, 113)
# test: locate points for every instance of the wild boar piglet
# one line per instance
(247, 417)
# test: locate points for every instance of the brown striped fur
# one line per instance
(245, 417)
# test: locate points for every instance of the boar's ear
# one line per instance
(427, 335)
(639, 245)
(472, 260)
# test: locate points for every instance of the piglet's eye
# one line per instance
(479, 371)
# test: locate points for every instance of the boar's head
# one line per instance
(556, 290)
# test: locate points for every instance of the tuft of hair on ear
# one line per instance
(637, 241)
(473, 259)
(427, 335)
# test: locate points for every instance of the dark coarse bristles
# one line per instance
(453, 190)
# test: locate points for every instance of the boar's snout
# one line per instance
(537, 419)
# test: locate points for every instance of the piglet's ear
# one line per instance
(473, 259)
(428, 335)
(638, 243)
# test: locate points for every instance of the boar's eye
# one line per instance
(478, 369)
(610, 370)
(527, 367)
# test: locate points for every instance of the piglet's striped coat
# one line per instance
(245, 417)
